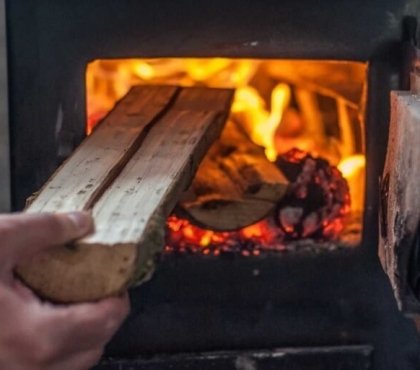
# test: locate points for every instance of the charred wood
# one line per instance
(235, 185)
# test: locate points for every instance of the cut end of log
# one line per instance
(80, 273)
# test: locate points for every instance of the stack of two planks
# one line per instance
(130, 174)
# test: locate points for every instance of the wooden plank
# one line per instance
(204, 99)
(84, 176)
(235, 185)
(130, 214)
(400, 192)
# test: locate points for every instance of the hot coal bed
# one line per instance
(301, 308)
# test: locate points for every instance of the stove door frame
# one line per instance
(5, 186)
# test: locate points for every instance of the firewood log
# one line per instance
(235, 185)
(129, 173)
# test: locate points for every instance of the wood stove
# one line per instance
(325, 307)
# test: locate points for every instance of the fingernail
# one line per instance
(82, 220)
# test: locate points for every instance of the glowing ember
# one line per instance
(317, 200)
(315, 207)
(182, 236)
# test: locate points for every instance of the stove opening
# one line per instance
(305, 117)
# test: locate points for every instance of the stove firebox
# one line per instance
(306, 117)
(332, 306)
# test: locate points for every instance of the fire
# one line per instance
(264, 123)
(182, 236)
(326, 222)
(353, 169)
(273, 103)
(351, 165)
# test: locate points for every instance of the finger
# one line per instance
(99, 321)
(67, 331)
(23, 235)
(22, 291)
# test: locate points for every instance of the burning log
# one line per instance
(317, 200)
(235, 186)
(313, 211)
(130, 173)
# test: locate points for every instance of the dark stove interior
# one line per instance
(329, 307)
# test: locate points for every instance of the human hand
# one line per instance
(37, 335)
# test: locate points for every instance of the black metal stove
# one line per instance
(331, 310)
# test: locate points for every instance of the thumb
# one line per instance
(23, 235)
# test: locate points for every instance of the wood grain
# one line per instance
(97, 161)
(131, 211)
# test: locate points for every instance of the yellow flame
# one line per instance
(144, 70)
(263, 123)
(353, 169)
(263, 132)
(247, 98)
(351, 165)
(200, 70)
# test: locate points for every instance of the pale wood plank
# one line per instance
(146, 183)
(204, 99)
(130, 214)
(82, 178)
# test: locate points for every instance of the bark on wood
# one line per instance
(400, 192)
(129, 206)
(235, 185)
